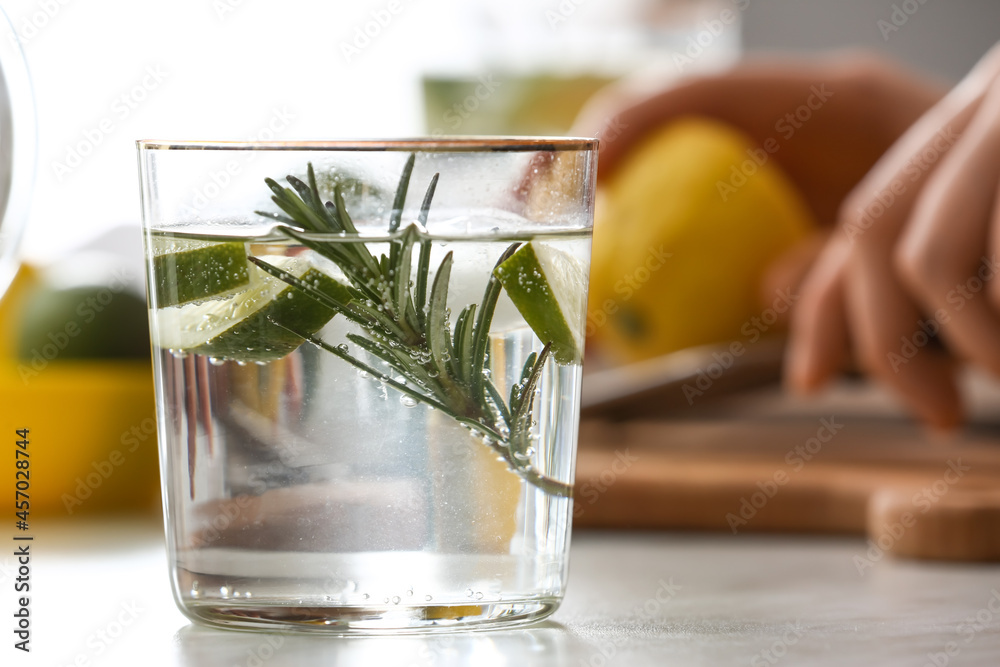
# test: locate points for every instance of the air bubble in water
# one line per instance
(342, 347)
(408, 401)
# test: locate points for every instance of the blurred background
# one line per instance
(109, 72)
(231, 69)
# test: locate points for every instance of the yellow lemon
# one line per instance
(683, 233)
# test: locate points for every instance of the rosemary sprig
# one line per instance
(406, 322)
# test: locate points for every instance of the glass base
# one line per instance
(374, 619)
(365, 592)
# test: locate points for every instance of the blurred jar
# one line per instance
(529, 67)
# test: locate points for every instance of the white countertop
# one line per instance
(101, 597)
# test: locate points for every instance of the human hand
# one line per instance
(914, 256)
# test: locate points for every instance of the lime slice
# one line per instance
(242, 327)
(190, 270)
(548, 287)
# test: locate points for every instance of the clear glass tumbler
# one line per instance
(367, 362)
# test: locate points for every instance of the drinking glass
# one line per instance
(367, 362)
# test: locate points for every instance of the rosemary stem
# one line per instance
(407, 325)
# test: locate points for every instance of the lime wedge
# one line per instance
(548, 287)
(242, 327)
(190, 270)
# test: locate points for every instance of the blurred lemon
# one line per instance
(683, 233)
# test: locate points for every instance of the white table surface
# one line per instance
(634, 599)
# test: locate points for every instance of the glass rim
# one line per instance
(442, 144)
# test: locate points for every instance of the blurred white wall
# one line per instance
(108, 72)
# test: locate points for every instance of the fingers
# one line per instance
(892, 338)
(942, 256)
(893, 342)
(818, 346)
(790, 270)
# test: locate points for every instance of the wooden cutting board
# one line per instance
(848, 462)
